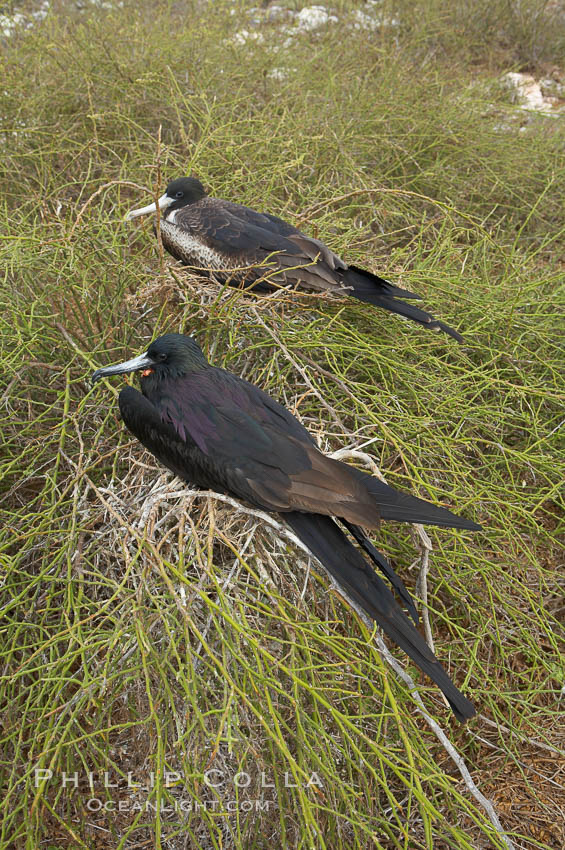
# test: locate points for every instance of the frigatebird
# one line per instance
(251, 250)
(219, 432)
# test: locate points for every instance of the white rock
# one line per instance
(278, 74)
(551, 88)
(8, 23)
(530, 93)
(243, 36)
(363, 21)
(313, 17)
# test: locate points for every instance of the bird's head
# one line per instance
(170, 356)
(179, 193)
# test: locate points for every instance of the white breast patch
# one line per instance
(191, 248)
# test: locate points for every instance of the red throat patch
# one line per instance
(146, 372)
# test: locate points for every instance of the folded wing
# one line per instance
(258, 250)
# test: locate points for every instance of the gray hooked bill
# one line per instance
(134, 365)
(163, 202)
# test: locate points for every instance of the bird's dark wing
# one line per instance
(143, 419)
(213, 447)
(256, 450)
(219, 431)
(236, 237)
(194, 452)
(305, 247)
(265, 220)
(243, 237)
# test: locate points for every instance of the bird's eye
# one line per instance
(179, 194)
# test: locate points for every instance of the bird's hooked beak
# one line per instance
(163, 202)
(141, 362)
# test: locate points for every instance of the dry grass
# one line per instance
(150, 629)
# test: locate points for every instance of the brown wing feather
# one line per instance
(329, 487)
(227, 236)
(313, 248)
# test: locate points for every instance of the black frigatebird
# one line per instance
(219, 432)
(249, 249)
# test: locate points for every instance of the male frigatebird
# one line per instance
(219, 432)
(248, 249)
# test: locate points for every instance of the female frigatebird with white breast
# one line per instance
(252, 250)
(219, 432)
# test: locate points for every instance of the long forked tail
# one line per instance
(384, 566)
(376, 290)
(362, 586)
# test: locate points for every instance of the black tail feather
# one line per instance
(394, 504)
(375, 290)
(382, 286)
(364, 588)
(384, 566)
